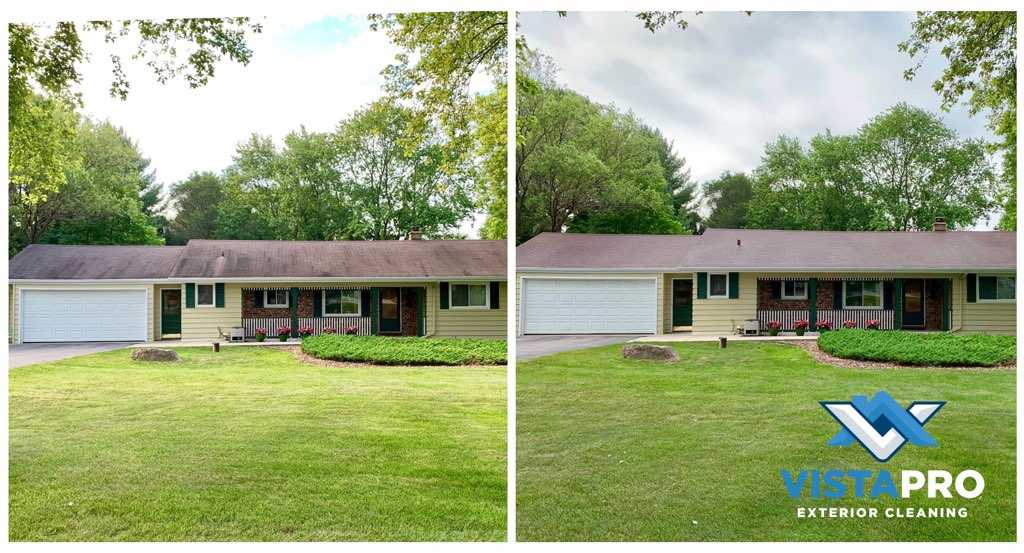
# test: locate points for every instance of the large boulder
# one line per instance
(649, 352)
(155, 354)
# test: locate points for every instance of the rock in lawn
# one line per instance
(647, 351)
(154, 354)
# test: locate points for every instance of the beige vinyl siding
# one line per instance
(987, 316)
(722, 315)
(658, 277)
(666, 298)
(14, 307)
(470, 322)
(200, 323)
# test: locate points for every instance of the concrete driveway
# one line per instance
(529, 347)
(28, 354)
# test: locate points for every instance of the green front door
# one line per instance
(170, 311)
(390, 314)
(682, 302)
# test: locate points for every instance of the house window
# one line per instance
(997, 288)
(862, 294)
(469, 296)
(275, 298)
(718, 285)
(204, 295)
(342, 303)
(794, 289)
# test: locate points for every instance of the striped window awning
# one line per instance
(826, 278)
(325, 287)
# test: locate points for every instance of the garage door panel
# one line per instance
(84, 315)
(589, 306)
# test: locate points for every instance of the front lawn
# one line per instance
(393, 350)
(917, 348)
(251, 444)
(615, 449)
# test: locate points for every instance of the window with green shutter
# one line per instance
(997, 288)
(718, 285)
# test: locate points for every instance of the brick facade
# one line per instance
(249, 309)
(410, 311)
(826, 289)
(933, 304)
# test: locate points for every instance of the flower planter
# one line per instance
(773, 332)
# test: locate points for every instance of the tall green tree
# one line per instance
(102, 202)
(727, 199)
(981, 53)
(42, 151)
(492, 148)
(400, 175)
(681, 188)
(195, 202)
(898, 172)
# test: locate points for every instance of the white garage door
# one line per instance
(83, 315)
(584, 306)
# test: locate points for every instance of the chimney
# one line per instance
(939, 225)
(415, 234)
(738, 243)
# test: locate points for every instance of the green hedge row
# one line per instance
(917, 348)
(385, 350)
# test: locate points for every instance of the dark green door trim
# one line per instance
(421, 311)
(170, 311)
(390, 306)
(682, 302)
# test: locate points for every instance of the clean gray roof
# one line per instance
(46, 262)
(265, 259)
(603, 251)
(349, 259)
(775, 250)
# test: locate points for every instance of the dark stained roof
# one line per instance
(265, 258)
(795, 249)
(46, 262)
(603, 251)
(347, 259)
(774, 250)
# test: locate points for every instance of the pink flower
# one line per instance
(330, 330)
(849, 323)
(774, 324)
(873, 324)
(800, 324)
(827, 325)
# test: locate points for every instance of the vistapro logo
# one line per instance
(882, 427)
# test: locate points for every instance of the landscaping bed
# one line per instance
(384, 350)
(922, 349)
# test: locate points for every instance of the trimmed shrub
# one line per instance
(386, 350)
(915, 348)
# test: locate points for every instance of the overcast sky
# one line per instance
(729, 83)
(313, 72)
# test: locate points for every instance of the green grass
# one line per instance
(915, 348)
(615, 449)
(251, 444)
(387, 350)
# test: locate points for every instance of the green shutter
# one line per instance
(987, 288)
(190, 295)
(734, 285)
(837, 295)
(812, 303)
(374, 310)
(218, 294)
(776, 288)
(444, 295)
(897, 303)
(293, 305)
(947, 301)
(702, 286)
(495, 295)
(972, 287)
(257, 300)
(887, 294)
(318, 308)
(421, 311)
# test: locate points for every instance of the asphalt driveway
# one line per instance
(529, 347)
(28, 354)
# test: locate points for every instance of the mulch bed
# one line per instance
(306, 358)
(812, 347)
